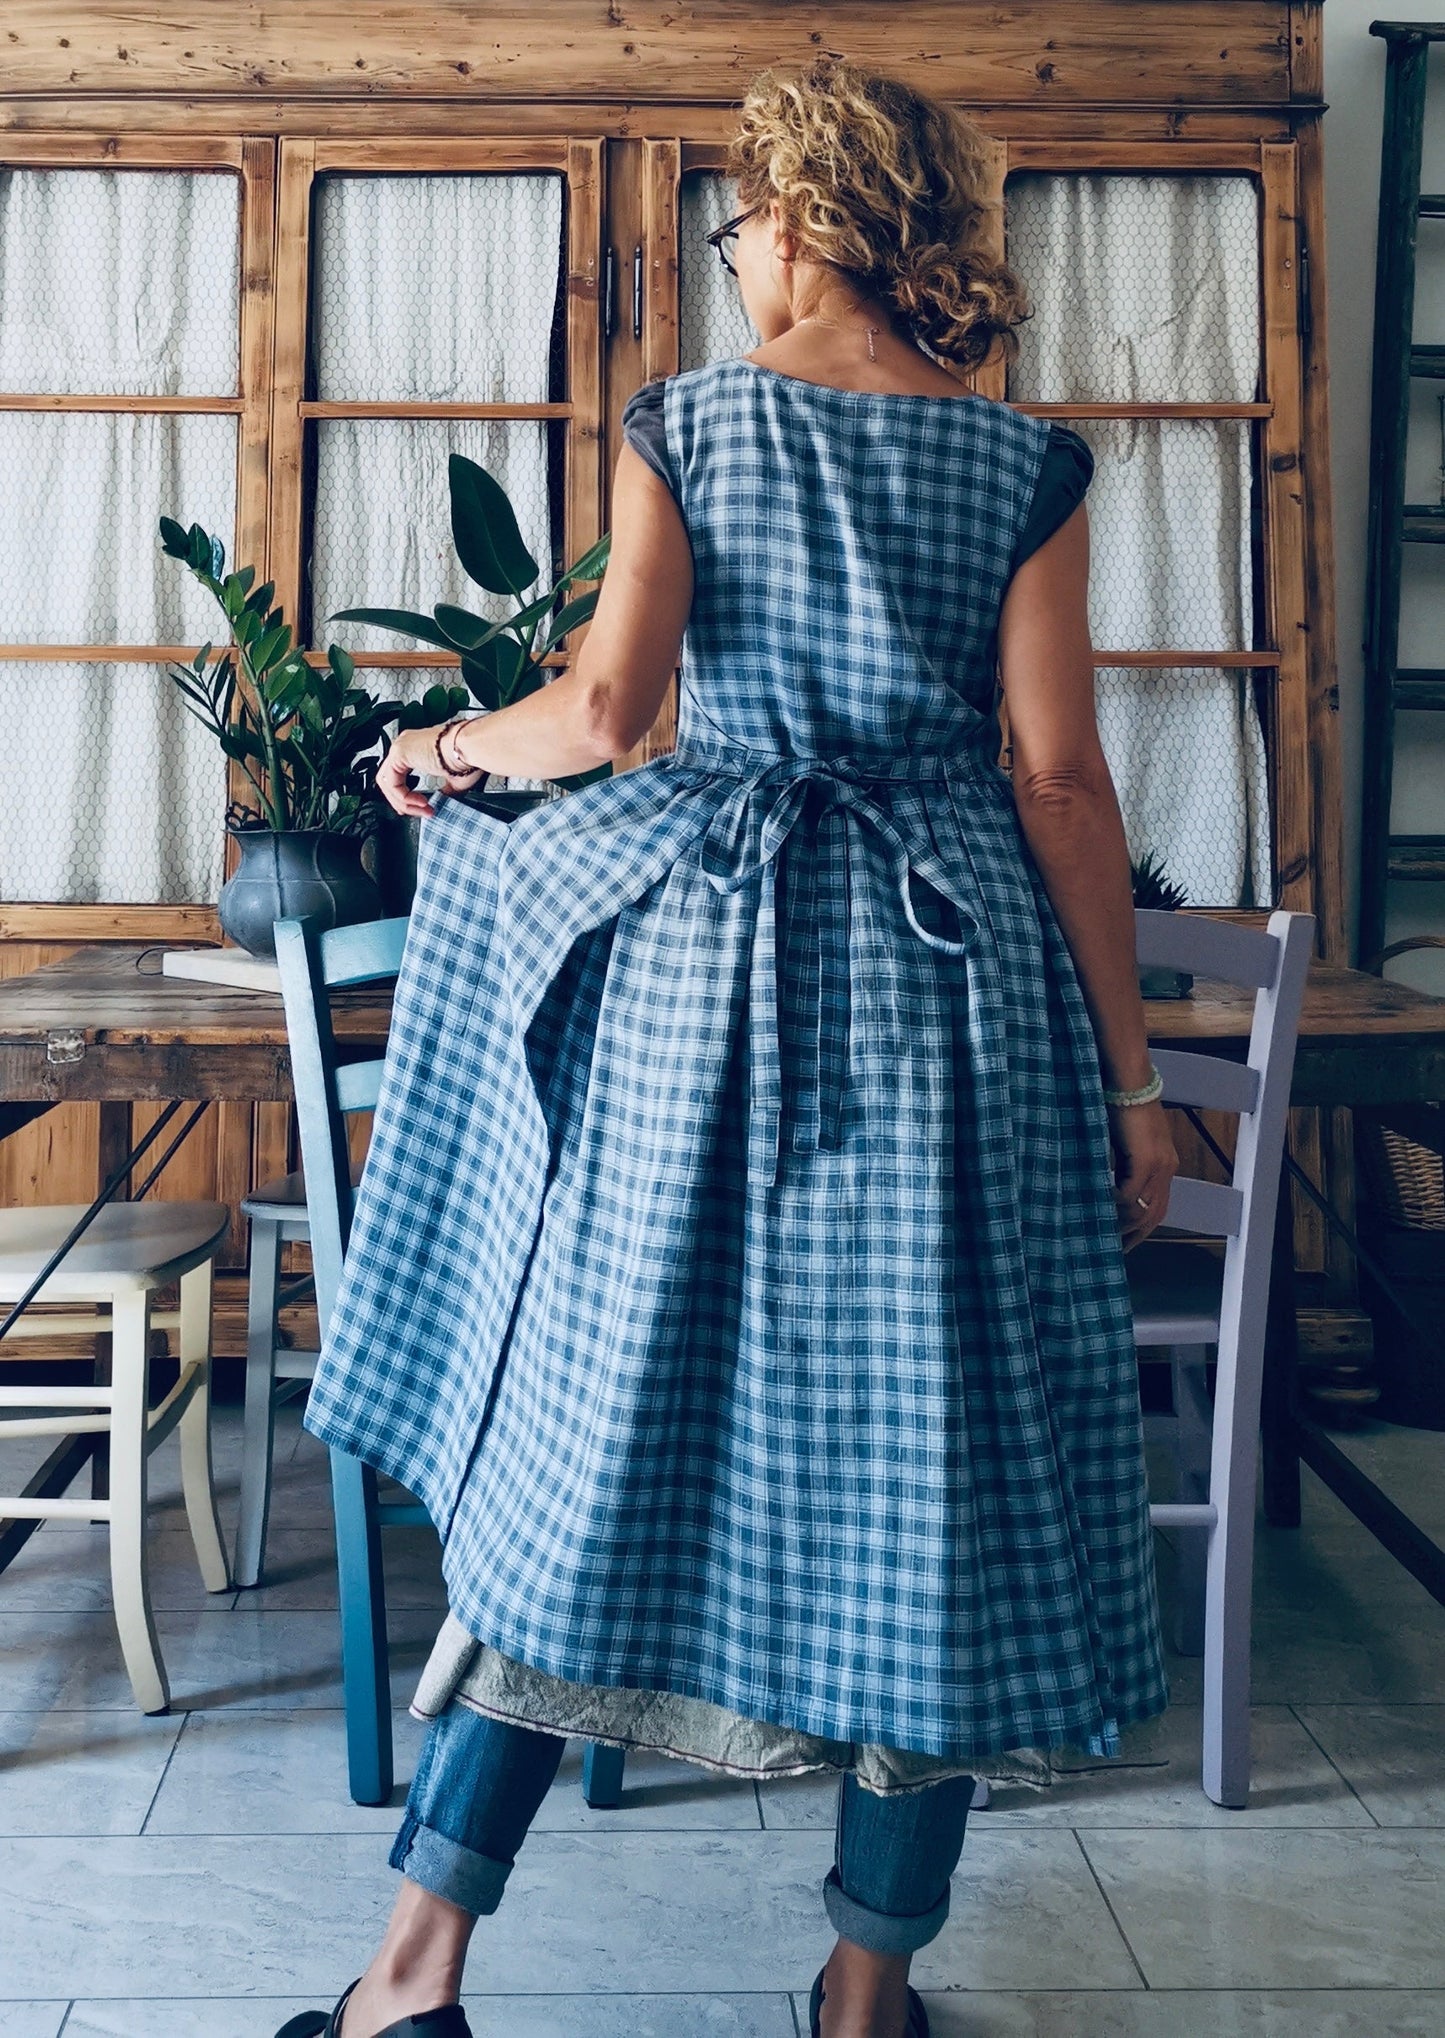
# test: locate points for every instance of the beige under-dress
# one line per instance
(693, 1729)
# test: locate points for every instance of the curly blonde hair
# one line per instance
(890, 186)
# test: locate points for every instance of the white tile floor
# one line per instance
(205, 1875)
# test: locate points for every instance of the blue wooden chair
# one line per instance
(312, 962)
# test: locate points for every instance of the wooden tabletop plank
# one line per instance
(99, 993)
(93, 1026)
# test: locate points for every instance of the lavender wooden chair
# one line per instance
(311, 962)
(1194, 1303)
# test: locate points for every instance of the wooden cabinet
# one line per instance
(1191, 129)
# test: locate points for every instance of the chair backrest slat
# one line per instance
(1207, 1081)
(358, 1084)
(1275, 962)
(311, 961)
(362, 954)
(1215, 1208)
(1210, 948)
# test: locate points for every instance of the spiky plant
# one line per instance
(1152, 888)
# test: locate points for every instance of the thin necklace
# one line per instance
(812, 318)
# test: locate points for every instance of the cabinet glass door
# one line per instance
(120, 324)
(1146, 295)
(445, 303)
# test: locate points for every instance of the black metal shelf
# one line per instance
(1421, 857)
(1395, 523)
(1419, 688)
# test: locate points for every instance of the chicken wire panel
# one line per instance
(381, 533)
(406, 682)
(1145, 288)
(1171, 549)
(436, 289)
(119, 282)
(712, 324)
(81, 497)
(111, 792)
(1186, 754)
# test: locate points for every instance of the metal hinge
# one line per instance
(1306, 323)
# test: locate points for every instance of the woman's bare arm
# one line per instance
(609, 696)
(1070, 816)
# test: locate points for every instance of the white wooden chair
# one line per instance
(1195, 1303)
(127, 1253)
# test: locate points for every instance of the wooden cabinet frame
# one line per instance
(252, 159)
(1277, 413)
(305, 160)
(625, 101)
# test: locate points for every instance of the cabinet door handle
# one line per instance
(637, 292)
(609, 294)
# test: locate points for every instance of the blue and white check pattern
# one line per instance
(735, 1273)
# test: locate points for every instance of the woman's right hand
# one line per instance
(1146, 1164)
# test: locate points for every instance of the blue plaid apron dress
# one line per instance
(735, 1273)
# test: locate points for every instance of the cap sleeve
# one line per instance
(644, 430)
(1064, 474)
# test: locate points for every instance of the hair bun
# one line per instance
(891, 186)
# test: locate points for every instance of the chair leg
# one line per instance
(1193, 1430)
(130, 1585)
(259, 1428)
(1228, 1603)
(602, 1776)
(197, 1474)
(1226, 1666)
(364, 1654)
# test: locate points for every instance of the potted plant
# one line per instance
(501, 662)
(306, 738)
(1153, 889)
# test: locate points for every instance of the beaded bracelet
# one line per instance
(461, 770)
(1145, 1094)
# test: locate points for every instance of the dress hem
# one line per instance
(704, 1731)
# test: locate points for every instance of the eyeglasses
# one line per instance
(728, 232)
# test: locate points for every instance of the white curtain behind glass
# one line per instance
(713, 325)
(102, 795)
(112, 282)
(119, 282)
(81, 561)
(1146, 289)
(435, 290)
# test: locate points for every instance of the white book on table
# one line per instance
(230, 966)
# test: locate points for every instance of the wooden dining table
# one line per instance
(98, 1027)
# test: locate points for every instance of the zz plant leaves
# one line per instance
(306, 737)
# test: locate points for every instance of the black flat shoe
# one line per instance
(450, 2022)
(917, 2026)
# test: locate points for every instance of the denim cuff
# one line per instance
(881, 1931)
(473, 1882)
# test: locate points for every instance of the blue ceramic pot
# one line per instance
(292, 875)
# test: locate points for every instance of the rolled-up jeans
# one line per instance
(480, 1781)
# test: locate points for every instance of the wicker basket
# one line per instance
(1408, 1179)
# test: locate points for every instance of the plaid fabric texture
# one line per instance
(735, 1272)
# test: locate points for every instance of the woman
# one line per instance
(738, 1273)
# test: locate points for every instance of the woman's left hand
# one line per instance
(414, 751)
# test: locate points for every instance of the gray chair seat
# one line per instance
(125, 1246)
(283, 1198)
